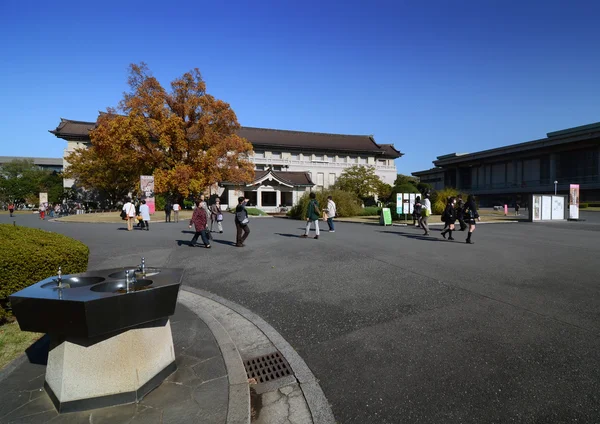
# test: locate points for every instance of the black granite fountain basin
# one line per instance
(149, 272)
(120, 286)
(99, 307)
(70, 282)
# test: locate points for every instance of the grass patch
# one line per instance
(13, 342)
(114, 218)
(256, 212)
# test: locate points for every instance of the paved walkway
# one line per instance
(210, 386)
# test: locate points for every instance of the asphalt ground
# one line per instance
(404, 328)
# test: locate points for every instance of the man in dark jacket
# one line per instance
(312, 215)
(168, 209)
(241, 222)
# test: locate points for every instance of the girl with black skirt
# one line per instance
(471, 216)
(449, 218)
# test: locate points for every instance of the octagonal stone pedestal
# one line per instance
(109, 345)
(93, 373)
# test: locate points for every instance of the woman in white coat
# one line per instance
(145, 212)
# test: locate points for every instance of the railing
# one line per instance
(271, 161)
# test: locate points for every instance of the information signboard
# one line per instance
(574, 201)
(386, 216)
(147, 187)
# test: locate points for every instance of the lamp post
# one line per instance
(555, 184)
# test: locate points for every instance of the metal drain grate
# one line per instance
(267, 368)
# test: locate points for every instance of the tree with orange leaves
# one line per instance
(186, 138)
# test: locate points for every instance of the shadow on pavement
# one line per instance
(288, 235)
(413, 236)
(225, 242)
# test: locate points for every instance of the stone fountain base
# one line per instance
(113, 369)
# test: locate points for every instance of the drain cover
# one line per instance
(267, 367)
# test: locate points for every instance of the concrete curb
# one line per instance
(317, 402)
(238, 410)
(12, 365)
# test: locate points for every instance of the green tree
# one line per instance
(360, 180)
(21, 182)
(405, 179)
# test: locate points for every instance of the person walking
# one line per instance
(11, 209)
(449, 217)
(129, 209)
(42, 211)
(417, 209)
(471, 216)
(145, 213)
(460, 213)
(425, 214)
(241, 222)
(176, 209)
(330, 212)
(517, 207)
(200, 222)
(168, 208)
(216, 215)
(312, 215)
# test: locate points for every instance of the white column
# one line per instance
(278, 197)
(258, 198)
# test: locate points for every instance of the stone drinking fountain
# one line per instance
(110, 335)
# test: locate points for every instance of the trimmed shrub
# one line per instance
(583, 206)
(255, 212)
(347, 204)
(188, 204)
(159, 202)
(593, 205)
(29, 255)
(439, 199)
(370, 211)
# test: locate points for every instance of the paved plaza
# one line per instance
(398, 327)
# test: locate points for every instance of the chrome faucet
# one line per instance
(59, 279)
(143, 267)
(127, 281)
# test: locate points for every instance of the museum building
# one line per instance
(510, 174)
(287, 163)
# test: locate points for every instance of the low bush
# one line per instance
(159, 202)
(347, 204)
(439, 199)
(29, 255)
(592, 205)
(583, 206)
(370, 211)
(255, 212)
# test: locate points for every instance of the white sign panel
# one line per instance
(546, 208)
(398, 203)
(558, 207)
(43, 198)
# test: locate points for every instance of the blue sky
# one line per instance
(430, 77)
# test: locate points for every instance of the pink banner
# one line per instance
(147, 187)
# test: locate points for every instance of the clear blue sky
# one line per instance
(430, 77)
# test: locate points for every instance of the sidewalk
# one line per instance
(213, 340)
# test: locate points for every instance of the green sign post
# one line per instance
(386, 217)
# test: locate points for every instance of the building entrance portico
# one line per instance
(270, 190)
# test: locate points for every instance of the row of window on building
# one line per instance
(361, 160)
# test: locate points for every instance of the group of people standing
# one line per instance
(455, 210)
(202, 214)
(313, 215)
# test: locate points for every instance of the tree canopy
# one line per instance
(21, 182)
(359, 179)
(184, 137)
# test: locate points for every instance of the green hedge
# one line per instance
(29, 255)
(583, 206)
(370, 211)
(347, 204)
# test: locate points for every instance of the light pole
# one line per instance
(555, 184)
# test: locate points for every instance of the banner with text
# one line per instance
(574, 201)
(147, 187)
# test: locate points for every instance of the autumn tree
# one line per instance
(184, 137)
(359, 179)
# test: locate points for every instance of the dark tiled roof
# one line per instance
(292, 177)
(390, 151)
(73, 129)
(36, 161)
(269, 138)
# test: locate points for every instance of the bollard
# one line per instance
(505, 210)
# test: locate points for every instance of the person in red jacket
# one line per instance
(11, 209)
(199, 220)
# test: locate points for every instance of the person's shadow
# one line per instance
(288, 235)
(225, 242)
(413, 236)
